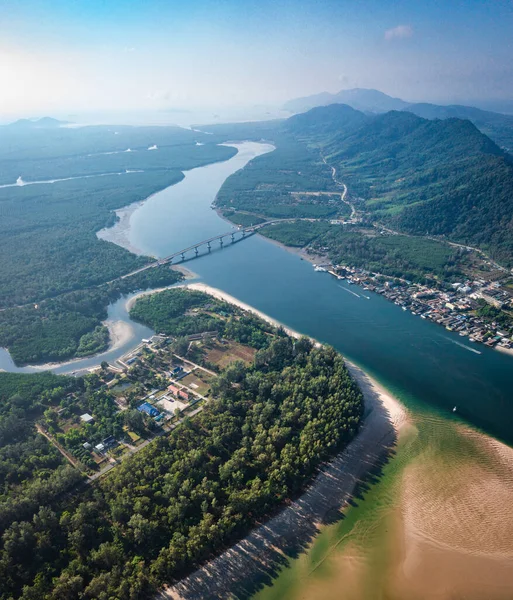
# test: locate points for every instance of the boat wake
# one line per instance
(351, 292)
(21, 183)
(462, 345)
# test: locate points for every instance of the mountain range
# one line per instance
(496, 125)
(440, 177)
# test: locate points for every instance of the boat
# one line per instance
(404, 307)
(454, 409)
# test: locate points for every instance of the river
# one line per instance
(429, 369)
(420, 361)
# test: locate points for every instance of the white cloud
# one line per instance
(401, 31)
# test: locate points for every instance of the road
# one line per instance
(392, 231)
(344, 193)
(134, 449)
(68, 457)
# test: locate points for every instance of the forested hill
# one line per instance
(326, 121)
(497, 126)
(422, 176)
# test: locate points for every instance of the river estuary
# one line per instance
(435, 510)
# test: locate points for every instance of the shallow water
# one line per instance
(436, 525)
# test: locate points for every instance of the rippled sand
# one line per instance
(438, 525)
(456, 519)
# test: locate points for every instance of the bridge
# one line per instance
(231, 237)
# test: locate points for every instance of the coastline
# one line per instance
(301, 252)
(117, 233)
(396, 409)
(448, 521)
(254, 560)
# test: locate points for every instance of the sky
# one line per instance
(80, 55)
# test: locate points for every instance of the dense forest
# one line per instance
(269, 186)
(70, 325)
(188, 494)
(426, 177)
(416, 259)
(496, 125)
(48, 231)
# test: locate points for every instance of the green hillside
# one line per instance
(436, 177)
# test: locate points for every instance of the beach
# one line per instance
(435, 525)
(245, 567)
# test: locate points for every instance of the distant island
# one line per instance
(41, 123)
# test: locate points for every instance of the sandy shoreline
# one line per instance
(117, 233)
(393, 406)
(242, 569)
(504, 350)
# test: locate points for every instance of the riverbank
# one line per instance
(118, 233)
(396, 410)
(254, 561)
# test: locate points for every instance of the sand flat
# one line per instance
(241, 569)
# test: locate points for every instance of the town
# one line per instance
(475, 309)
(146, 394)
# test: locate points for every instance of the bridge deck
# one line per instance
(244, 232)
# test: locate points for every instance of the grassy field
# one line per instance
(224, 354)
(199, 381)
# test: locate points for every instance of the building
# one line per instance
(86, 418)
(148, 409)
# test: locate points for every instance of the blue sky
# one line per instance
(133, 54)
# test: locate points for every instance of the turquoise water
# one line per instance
(416, 359)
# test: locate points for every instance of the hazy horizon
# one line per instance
(62, 57)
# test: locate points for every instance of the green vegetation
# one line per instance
(69, 325)
(413, 258)
(297, 234)
(49, 231)
(243, 219)
(491, 314)
(430, 177)
(32, 472)
(496, 126)
(264, 186)
(426, 177)
(176, 312)
(271, 422)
